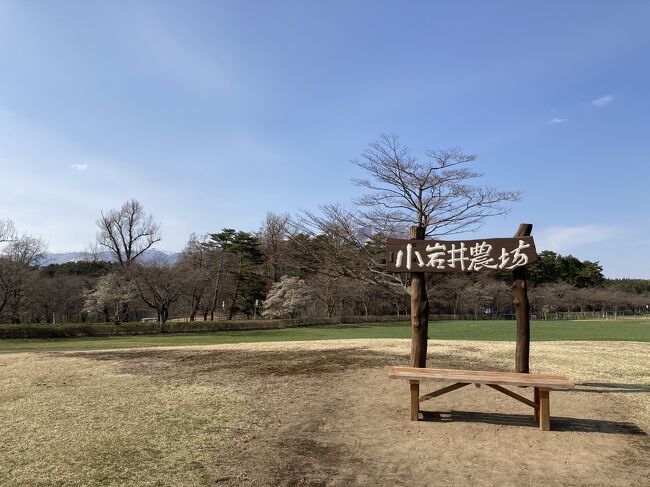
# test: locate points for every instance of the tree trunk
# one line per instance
(15, 308)
(195, 308)
(231, 310)
(419, 311)
(522, 307)
(215, 296)
(330, 310)
(275, 270)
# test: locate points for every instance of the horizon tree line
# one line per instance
(316, 263)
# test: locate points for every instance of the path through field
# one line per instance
(317, 413)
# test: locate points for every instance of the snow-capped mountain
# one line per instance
(151, 255)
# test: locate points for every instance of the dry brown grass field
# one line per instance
(317, 413)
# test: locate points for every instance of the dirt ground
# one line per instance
(318, 414)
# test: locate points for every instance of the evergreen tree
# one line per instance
(247, 256)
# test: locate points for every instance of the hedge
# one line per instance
(66, 330)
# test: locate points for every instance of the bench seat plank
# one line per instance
(482, 377)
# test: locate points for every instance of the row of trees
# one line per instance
(218, 275)
(324, 262)
(20, 255)
(279, 271)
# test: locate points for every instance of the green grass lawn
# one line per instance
(613, 330)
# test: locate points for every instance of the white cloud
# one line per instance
(79, 167)
(566, 239)
(602, 101)
(555, 120)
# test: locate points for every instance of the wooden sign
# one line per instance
(495, 254)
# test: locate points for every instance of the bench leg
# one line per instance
(544, 410)
(415, 400)
(536, 401)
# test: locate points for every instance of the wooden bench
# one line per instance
(542, 385)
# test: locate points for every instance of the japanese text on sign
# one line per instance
(501, 254)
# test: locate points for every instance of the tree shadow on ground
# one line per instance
(605, 387)
(558, 423)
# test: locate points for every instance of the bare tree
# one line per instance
(7, 230)
(476, 299)
(331, 292)
(196, 270)
(273, 235)
(160, 285)
(436, 194)
(17, 263)
(501, 295)
(447, 293)
(128, 232)
(219, 265)
(25, 250)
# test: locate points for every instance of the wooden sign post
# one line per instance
(419, 311)
(418, 256)
(522, 309)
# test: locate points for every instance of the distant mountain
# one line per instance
(151, 255)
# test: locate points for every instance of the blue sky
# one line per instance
(212, 113)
